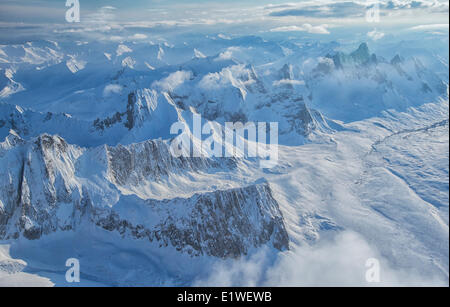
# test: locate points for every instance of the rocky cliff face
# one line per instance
(221, 224)
(43, 191)
(129, 165)
(39, 191)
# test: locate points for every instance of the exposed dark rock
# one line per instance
(152, 160)
(42, 198)
(225, 224)
(361, 55)
(108, 122)
(130, 111)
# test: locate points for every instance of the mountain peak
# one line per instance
(396, 60)
(363, 46)
(362, 54)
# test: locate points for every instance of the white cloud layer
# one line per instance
(340, 262)
(431, 27)
(319, 29)
(375, 35)
(173, 80)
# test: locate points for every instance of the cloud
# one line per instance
(288, 82)
(102, 16)
(353, 9)
(108, 8)
(338, 262)
(319, 29)
(111, 89)
(139, 36)
(279, 6)
(412, 4)
(375, 35)
(223, 36)
(430, 27)
(173, 80)
(335, 10)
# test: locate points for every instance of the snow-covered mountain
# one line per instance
(47, 193)
(86, 168)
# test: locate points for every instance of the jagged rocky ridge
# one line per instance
(148, 105)
(221, 224)
(43, 192)
(129, 165)
(146, 114)
(225, 90)
(360, 84)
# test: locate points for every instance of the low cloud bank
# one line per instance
(338, 262)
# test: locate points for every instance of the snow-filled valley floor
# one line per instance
(85, 170)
